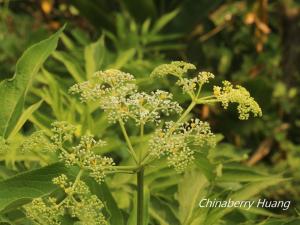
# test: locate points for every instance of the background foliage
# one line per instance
(252, 43)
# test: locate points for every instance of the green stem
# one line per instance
(142, 129)
(142, 135)
(140, 196)
(131, 151)
(186, 112)
(207, 97)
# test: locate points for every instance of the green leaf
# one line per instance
(206, 167)
(20, 189)
(163, 21)
(24, 117)
(123, 58)
(245, 193)
(94, 54)
(145, 27)
(260, 211)
(104, 194)
(162, 212)
(285, 221)
(71, 64)
(190, 190)
(133, 214)
(67, 42)
(241, 174)
(255, 188)
(13, 90)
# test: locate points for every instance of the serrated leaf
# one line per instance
(13, 91)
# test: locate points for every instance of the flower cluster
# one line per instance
(79, 202)
(118, 97)
(179, 69)
(179, 142)
(204, 77)
(143, 107)
(246, 104)
(140, 106)
(83, 156)
(44, 211)
(62, 132)
(176, 68)
(192, 84)
(105, 84)
(36, 141)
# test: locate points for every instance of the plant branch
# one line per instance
(69, 194)
(131, 150)
(186, 112)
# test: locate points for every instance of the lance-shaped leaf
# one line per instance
(13, 91)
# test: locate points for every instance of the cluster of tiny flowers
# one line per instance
(179, 141)
(87, 210)
(105, 84)
(179, 69)
(140, 106)
(62, 132)
(176, 68)
(84, 156)
(110, 88)
(143, 107)
(62, 181)
(118, 97)
(44, 211)
(36, 141)
(188, 85)
(240, 95)
(79, 202)
(191, 85)
(115, 107)
(204, 77)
